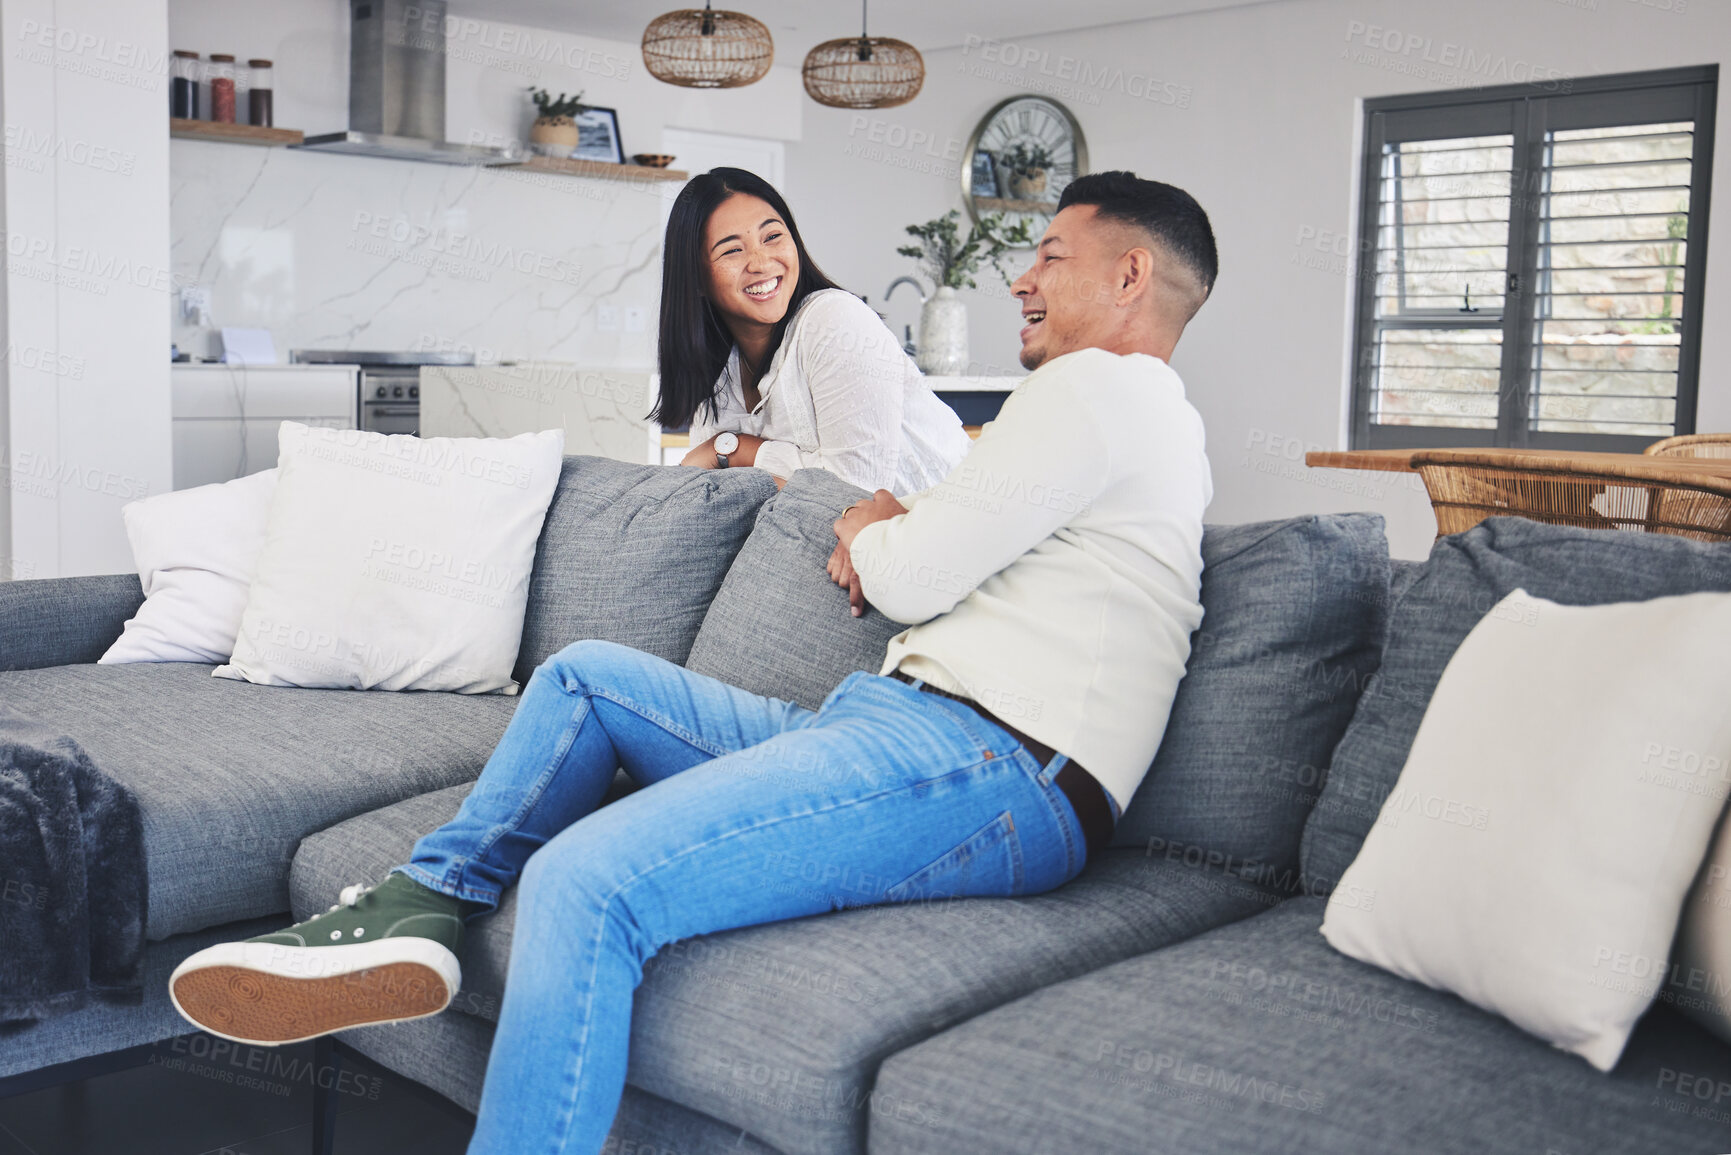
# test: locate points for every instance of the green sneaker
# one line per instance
(380, 955)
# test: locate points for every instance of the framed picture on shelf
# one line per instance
(598, 136)
(985, 174)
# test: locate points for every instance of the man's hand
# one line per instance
(880, 506)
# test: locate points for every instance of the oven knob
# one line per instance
(381, 391)
(414, 391)
(396, 390)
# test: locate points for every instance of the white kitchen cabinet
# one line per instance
(226, 416)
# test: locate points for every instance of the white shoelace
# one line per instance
(349, 895)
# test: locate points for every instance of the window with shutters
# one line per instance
(1532, 262)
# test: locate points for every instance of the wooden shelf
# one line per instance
(599, 169)
(232, 133)
(251, 134)
(1006, 205)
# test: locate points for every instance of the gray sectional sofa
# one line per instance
(1176, 997)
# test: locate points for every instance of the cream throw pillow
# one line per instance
(396, 562)
(1536, 851)
(196, 550)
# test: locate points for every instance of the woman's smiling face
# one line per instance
(753, 263)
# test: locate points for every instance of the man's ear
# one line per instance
(1135, 275)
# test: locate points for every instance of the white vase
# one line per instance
(943, 348)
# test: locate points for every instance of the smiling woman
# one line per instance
(776, 367)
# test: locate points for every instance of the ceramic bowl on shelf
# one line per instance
(652, 159)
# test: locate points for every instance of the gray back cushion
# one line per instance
(779, 626)
(1294, 618)
(633, 554)
(1466, 575)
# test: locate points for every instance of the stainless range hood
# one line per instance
(397, 88)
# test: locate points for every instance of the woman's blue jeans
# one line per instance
(754, 810)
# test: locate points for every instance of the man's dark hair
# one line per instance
(1165, 212)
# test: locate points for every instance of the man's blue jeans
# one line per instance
(754, 810)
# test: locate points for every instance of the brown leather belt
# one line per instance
(1087, 797)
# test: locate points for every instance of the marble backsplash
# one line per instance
(347, 252)
(603, 412)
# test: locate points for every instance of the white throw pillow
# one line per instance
(396, 563)
(1700, 976)
(1535, 853)
(196, 550)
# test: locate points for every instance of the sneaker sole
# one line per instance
(270, 994)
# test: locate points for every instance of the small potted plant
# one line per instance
(555, 129)
(951, 261)
(1024, 167)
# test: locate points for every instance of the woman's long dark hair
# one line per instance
(695, 342)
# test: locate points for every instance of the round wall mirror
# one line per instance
(1019, 160)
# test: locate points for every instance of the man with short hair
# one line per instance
(1051, 586)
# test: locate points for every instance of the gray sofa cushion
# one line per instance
(1259, 1037)
(62, 621)
(779, 1029)
(634, 554)
(449, 1054)
(779, 626)
(1465, 576)
(1294, 618)
(231, 776)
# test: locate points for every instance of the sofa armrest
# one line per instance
(64, 621)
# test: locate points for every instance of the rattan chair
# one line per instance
(1692, 445)
(1467, 486)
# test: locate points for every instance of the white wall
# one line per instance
(1258, 117)
(86, 392)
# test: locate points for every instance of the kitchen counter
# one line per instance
(226, 416)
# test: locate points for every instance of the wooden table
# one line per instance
(1559, 486)
(1400, 460)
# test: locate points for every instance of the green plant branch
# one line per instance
(550, 106)
(951, 260)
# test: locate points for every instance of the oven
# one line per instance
(391, 400)
(390, 383)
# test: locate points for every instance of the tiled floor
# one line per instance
(192, 1099)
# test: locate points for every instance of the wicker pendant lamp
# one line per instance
(703, 48)
(864, 71)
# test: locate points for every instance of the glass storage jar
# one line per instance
(258, 94)
(221, 71)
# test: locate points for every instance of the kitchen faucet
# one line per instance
(907, 330)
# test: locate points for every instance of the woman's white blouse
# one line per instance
(841, 395)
